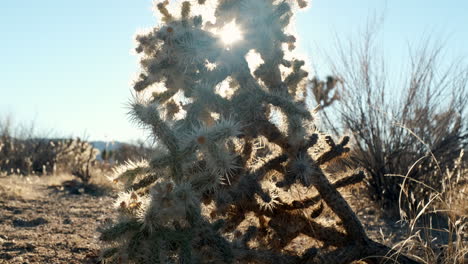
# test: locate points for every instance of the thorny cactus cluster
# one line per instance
(43, 156)
(76, 156)
(239, 171)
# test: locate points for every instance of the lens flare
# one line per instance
(230, 33)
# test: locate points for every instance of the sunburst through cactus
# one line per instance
(238, 168)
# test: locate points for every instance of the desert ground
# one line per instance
(53, 219)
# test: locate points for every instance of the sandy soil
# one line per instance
(55, 221)
(52, 224)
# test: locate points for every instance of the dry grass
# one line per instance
(26, 187)
(438, 228)
(395, 120)
(408, 132)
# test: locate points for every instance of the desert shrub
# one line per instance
(396, 122)
(14, 152)
(238, 175)
(25, 154)
(22, 153)
(46, 156)
(75, 156)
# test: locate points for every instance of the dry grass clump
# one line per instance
(394, 122)
(437, 228)
(409, 133)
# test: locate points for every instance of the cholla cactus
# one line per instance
(239, 169)
(44, 156)
(76, 156)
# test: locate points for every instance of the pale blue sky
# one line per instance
(67, 64)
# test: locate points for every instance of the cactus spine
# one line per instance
(238, 172)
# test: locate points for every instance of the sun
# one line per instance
(230, 33)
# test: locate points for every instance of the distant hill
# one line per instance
(102, 145)
(122, 151)
(109, 145)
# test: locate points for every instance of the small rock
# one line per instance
(29, 247)
(3, 238)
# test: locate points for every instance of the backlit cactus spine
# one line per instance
(238, 170)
